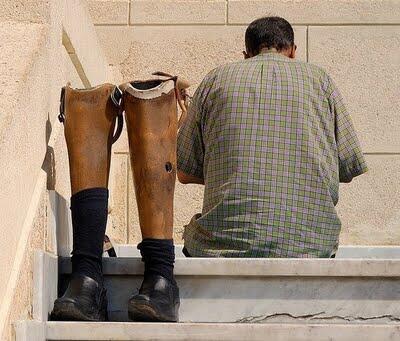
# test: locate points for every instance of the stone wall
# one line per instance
(43, 45)
(357, 42)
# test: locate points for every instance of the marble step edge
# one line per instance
(344, 251)
(260, 267)
(38, 331)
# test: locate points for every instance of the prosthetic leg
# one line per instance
(89, 118)
(151, 118)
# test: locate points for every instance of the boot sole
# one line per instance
(68, 311)
(145, 313)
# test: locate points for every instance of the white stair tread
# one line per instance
(344, 251)
(219, 331)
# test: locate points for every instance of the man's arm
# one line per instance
(190, 148)
(351, 159)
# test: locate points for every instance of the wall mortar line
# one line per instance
(227, 12)
(243, 25)
(307, 45)
(129, 12)
(294, 23)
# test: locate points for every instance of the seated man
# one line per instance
(270, 138)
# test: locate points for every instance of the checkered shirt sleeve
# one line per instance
(190, 148)
(351, 159)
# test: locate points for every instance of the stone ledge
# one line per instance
(300, 12)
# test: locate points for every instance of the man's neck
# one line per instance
(268, 50)
(265, 50)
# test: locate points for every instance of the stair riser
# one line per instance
(270, 299)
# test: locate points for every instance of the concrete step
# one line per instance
(214, 290)
(30, 330)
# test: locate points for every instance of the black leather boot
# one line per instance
(84, 300)
(157, 301)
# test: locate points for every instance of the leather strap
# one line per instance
(117, 98)
(181, 100)
(61, 116)
(108, 247)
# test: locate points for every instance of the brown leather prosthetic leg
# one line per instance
(89, 118)
(151, 117)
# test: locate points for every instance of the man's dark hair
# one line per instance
(269, 32)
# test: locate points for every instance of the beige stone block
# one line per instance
(114, 12)
(118, 223)
(369, 207)
(365, 65)
(316, 11)
(33, 11)
(178, 12)
(189, 52)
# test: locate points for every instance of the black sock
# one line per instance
(158, 256)
(89, 210)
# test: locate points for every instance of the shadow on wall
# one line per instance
(60, 232)
(48, 164)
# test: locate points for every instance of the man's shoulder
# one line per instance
(225, 69)
(237, 66)
(316, 69)
(219, 73)
(231, 72)
(309, 68)
(313, 73)
(233, 66)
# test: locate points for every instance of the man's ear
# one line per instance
(293, 52)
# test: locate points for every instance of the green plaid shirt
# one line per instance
(272, 139)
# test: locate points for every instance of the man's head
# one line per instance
(270, 33)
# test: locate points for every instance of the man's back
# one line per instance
(271, 139)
